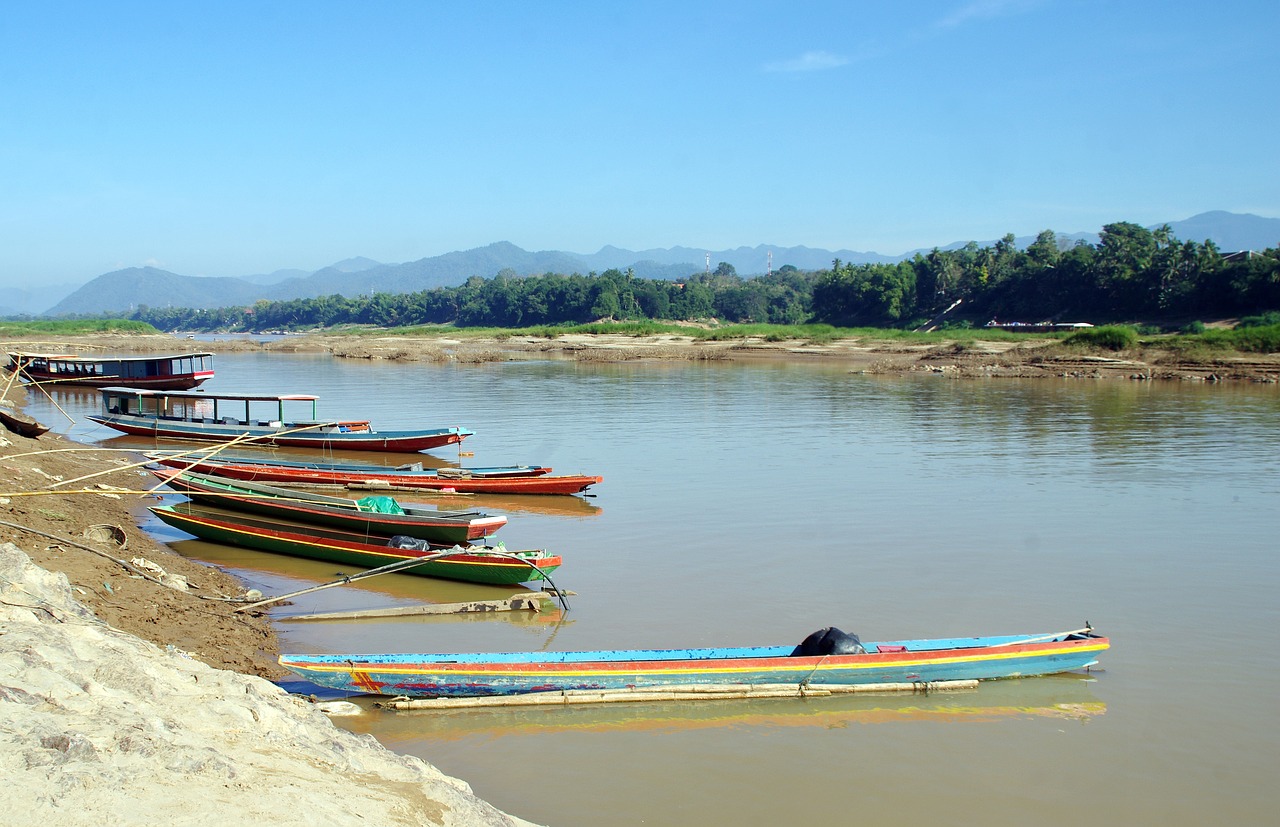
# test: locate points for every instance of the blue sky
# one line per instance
(234, 138)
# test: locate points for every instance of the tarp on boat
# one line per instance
(379, 505)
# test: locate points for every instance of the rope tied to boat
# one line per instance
(804, 684)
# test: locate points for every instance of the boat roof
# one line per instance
(200, 394)
(75, 357)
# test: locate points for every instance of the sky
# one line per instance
(236, 138)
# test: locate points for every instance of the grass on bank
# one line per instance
(1245, 337)
(811, 333)
(1254, 334)
(76, 327)
(1260, 334)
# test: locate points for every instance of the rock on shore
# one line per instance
(99, 727)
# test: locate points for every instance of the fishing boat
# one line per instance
(253, 418)
(177, 372)
(21, 423)
(472, 564)
(374, 514)
(837, 660)
(515, 479)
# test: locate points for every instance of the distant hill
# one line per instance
(1232, 232)
(129, 288)
(350, 265)
(33, 301)
(126, 289)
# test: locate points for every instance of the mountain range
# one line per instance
(124, 290)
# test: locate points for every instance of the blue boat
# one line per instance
(828, 658)
(230, 417)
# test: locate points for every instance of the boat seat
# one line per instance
(829, 641)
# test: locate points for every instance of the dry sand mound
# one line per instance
(98, 727)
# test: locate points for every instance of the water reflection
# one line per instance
(277, 574)
(1066, 697)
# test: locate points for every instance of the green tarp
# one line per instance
(380, 505)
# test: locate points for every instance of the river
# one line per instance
(755, 503)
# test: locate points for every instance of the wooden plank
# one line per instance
(531, 601)
(676, 693)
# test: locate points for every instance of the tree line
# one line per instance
(1131, 273)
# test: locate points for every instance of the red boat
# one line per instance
(516, 479)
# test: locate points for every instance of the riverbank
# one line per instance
(133, 693)
(964, 358)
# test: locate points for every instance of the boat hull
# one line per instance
(266, 534)
(21, 423)
(327, 438)
(475, 675)
(152, 372)
(425, 480)
(166, 383)
(448, 527)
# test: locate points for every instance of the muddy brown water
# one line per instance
(753, 504)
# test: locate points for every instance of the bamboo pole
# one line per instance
(245, 437)
(82, 449)
(13, 374)
(40, 386)
(204, 454)
(401, 565)
(531, 601)
(677, 693)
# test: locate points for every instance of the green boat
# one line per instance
(472, 564)
(376, 514)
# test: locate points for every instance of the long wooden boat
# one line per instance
(516, 673)
(472, 564)
(182, 371)
(374, 514)
(498, 480)
(224, 417)
(21, 423)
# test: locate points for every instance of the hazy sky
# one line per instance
(232, 138)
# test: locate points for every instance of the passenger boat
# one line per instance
(472, 564)
(804, 666)
(374, 514)
(515, 479)
(167, 373)
(227, 417)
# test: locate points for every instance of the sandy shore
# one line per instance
(101, 727)
(967, 359)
